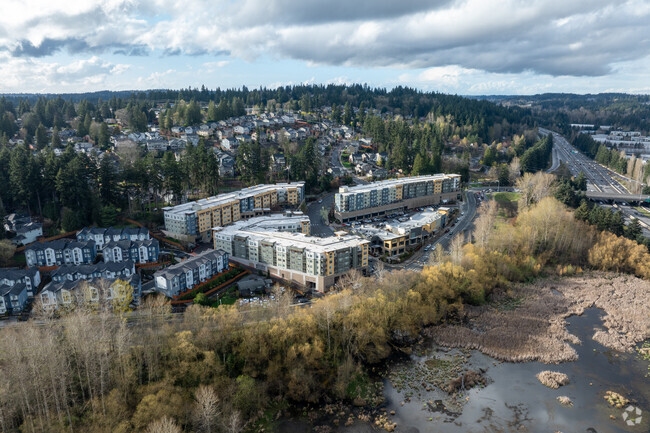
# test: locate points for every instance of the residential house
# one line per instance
(60, 252)
(145, 251)
(25, 229)
(183, 276)
(226, 165)
(356, 158)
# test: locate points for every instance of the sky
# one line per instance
(467, 47)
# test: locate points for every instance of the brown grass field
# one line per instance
(535, 329)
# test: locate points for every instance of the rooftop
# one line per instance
(295, 240)
(209, 202)
(394, 182)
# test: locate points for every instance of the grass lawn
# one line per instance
(506, 197)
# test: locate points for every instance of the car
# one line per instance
(320, 201)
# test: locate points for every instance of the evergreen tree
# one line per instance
(41, 136)
(582, 212)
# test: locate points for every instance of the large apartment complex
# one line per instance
(290, 254)
(196, 219)
(379, 198)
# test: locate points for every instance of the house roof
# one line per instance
(60, 244)
(91, 269)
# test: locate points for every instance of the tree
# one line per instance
(419, 165)
(580, 182)
(206, 409)
(163, 425)
(7, 250)
(504, 175)
(71, 220)
(56, 140)
(109, 215)
(103, 136)
(201, 299)
(582, 212)
(633, 230)
(41, 136)
(212, 114)
(122, 296)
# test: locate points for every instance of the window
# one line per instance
(65, 295)
(45, 298)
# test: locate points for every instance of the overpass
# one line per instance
(608, 196)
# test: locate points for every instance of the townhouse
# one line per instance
(291, 255)
(145, 251)
(382, 197)
(66, 293)
(31, 278)
(13, 299)
(102, 236)
(100, 278)
(195, 220)
(183, 276)
(60, 252)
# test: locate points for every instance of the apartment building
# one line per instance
(195, 220)
(13, 298)
(145, 251)
(60, 252)
(312, 262)
(183, 276)
(379, 198)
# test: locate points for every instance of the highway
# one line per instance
(599, 179)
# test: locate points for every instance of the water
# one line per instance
(516, 401)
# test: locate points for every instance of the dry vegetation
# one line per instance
(552, 379)
(536, 330)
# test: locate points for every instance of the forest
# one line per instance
(234, 368)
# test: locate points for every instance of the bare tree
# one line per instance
(484, 224)
(456, 249)
(206, 409)
(234, 423)
(163, 425)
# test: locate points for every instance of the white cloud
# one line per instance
(34, 75)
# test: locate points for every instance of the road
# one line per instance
(464, 225)
(599, 179)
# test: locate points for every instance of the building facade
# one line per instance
(380, 198)
(195, 220)
(102, 236)
(312, 262)
(60, 252)
(66, 293)
(13, 298)
(183, 276)
(145, 251)
(31, 278)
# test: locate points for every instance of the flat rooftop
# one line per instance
(209, 202)
(394, 182)
(295, 240)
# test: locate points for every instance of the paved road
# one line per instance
(464, 225)
(599, 178)
(318, 226)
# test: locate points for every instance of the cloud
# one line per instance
(550, 37)
(35, 75)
